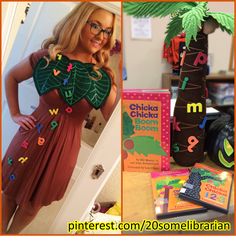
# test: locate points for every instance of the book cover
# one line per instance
(165, 188)
(146, 130)
(209, 187)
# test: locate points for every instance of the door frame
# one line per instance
(84, 191)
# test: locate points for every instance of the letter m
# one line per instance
(53, 111)
(193, 107)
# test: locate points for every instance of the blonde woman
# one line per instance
(72, 77)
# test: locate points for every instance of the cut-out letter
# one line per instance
(201, 58)
(23, 159)
(193, 107)
(25, 144)
(192, 140)
(69, 109)
(54, 124)
(53, 111)
(41, 141)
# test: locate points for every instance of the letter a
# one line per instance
(41, 141)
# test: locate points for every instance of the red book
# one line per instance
(146, 130)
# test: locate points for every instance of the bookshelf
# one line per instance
(170, 81)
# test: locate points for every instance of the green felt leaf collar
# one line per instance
(73, 79)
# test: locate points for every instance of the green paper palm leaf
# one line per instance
(79, 84)
(99, 90)
(225, 20)
(174, 28)
(192, 21)
(155, 9)
(186, 16)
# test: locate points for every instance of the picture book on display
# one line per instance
(208, 187)
(146, 130)
(165, 188)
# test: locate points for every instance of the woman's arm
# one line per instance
(17, 74)
(108, 107)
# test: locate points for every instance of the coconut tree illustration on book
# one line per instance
(195, 19)
(207, 176)
(140, 144)
(167, 184)
(199, 175)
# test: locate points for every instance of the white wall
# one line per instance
(143, 58)
(220, 42)
(12, 14)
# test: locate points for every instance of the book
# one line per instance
(165, 188)
(146, 130)
(209, 187)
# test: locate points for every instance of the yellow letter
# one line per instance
(53, 111)
(23, 159)
(194, 105)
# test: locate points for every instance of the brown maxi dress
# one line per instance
(44, 176)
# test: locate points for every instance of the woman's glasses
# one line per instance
(97, 29)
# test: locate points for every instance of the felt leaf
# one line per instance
(71, 92)
(225, 20)
(44, 77)
(99, 90)
(128, 128)
(73, 85)
(192, 21)
(155, 9)
(173, 29)
(146, 145)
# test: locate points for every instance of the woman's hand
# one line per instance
(25, 121)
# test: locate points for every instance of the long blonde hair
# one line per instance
(66, 36)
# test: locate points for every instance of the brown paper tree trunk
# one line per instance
(185, 149)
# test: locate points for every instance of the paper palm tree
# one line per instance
(195, 19)
(168, 184)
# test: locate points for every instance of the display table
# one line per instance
(138, 199)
